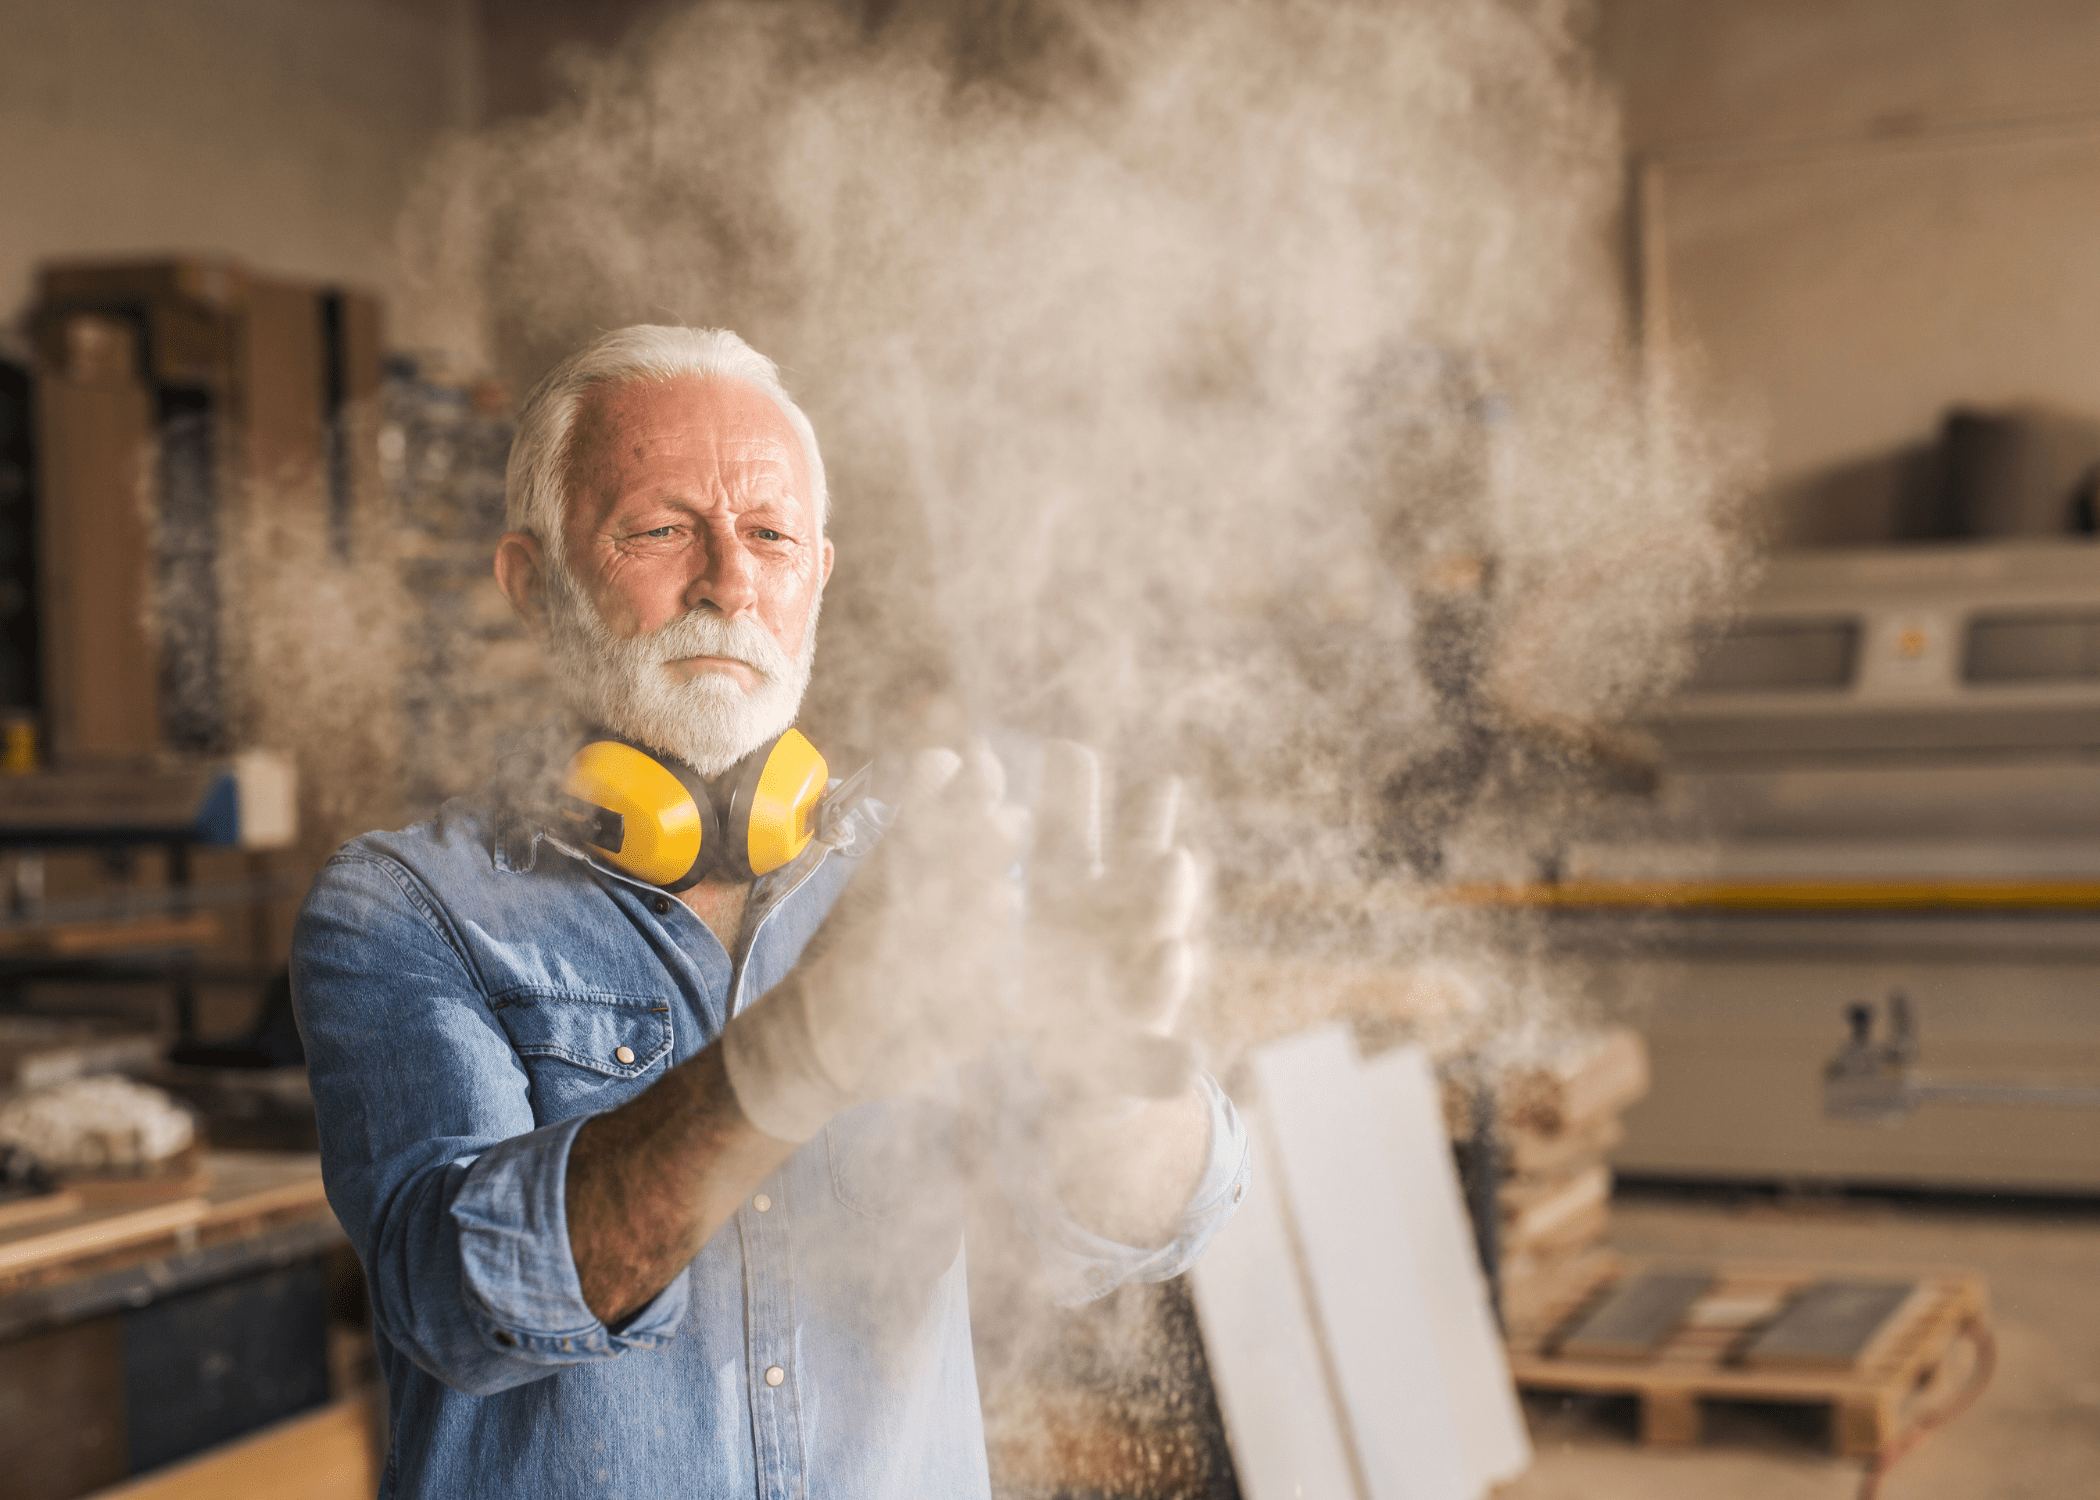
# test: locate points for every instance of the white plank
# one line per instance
(1469, 1347)
(1264, 1355)
(1341, 1190)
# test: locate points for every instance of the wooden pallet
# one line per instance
(1871, 1403)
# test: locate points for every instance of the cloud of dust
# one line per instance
(1242, 386)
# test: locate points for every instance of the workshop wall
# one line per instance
(282, 134)
(1867, 213)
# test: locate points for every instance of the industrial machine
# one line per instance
(1886, 775)
(1878, 1080)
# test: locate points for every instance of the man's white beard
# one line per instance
(709, 721)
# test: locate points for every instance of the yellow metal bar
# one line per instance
(1786, 895)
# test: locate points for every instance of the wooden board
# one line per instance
(1577, 1089)
(1870, 1404)
(19, 1211)
(91, 1233)
(1491, 1429)
(1592, 1082)
(1528, 1154)
(179, 1176)
(1554, 1212)
(242, 1188)
(1264, 1352)
(1367, 1285)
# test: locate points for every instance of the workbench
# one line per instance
(141, 1323)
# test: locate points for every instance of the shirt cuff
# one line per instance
(517, 1276)
(1079, 1264)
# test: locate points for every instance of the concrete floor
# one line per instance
(2034, 1435)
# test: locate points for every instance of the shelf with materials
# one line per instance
(136, 932)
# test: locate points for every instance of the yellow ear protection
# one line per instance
(659, 821)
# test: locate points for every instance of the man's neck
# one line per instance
(720, 904)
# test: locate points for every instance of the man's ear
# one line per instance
(829, 558)
(521, 573)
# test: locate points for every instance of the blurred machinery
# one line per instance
(1878, 1080)
(1885, 776)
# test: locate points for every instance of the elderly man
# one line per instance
(654, 1183)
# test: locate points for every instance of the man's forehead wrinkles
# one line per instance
(755, 446)
(734, 495)
(738, 449)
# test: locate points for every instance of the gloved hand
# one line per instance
(1110, 942)
(909, 972)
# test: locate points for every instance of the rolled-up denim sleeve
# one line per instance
(1079, 1264)
(454, 1200)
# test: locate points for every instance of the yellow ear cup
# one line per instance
(772, 811)
(647, 823)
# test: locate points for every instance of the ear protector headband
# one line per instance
(659, 821)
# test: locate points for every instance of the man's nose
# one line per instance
(728, 580)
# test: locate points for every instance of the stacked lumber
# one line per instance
(1557, 1122)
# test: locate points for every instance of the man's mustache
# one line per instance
(700, 634)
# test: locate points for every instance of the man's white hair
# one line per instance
(535, 486)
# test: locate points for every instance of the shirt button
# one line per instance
(661, 906)
(624, 1054)
(775, 1375)
(761, 1203)
(1239, 1192)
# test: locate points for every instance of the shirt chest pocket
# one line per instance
(585, 1052)
(887, 1155)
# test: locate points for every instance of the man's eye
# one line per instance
(767, 534)
(660, 531)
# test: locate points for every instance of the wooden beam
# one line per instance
(99, 1234)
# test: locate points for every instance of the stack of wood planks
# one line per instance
(1557, 1120)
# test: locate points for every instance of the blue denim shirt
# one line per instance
(465, 988)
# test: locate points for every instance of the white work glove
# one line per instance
(908, 974)
(1111, 942)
